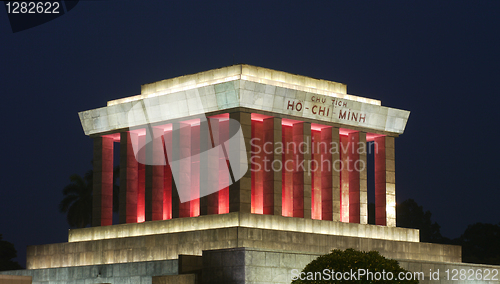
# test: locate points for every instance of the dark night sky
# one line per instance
(440, 60)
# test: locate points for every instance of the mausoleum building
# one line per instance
(236, 175)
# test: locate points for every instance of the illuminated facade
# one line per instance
(277, 110)
(240, 204)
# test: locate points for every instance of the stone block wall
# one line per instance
(123, 273)
(231, 266)
(171, 245)
(261, 266)
(440, 276)
(133, 249)
(321, 244)
(236, 219)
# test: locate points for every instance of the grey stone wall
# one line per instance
(233, 266)
(133, 249)
(249, 265)
(238, 219)
(260, 266)
(224, 266)
(440, 276)
(171, 245)
(122, 273)
(320, 244)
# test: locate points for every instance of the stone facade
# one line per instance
(192, 236)
(121, 273)
(184, 119)
(241, 86)
(161, 240)
(257, 225)
(236, 266)
(251, 265)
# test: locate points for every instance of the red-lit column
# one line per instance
(154, 175)
(301, 174)
(263, 175)
(240, 191)
(257, 167)
(209, 165)
(353, 178)
(128, 178)
(357, 178)
(385, 184)
(224, 177)
(272, 170)
(330, 196)
(363, 176)
(141, 180)
(287, 172)
(167, 177)
(316, 176)
(344, 178)
(102, 205)
(181, 151)
(194, 204)
(332, 135)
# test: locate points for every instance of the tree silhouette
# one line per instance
(410, 215)
(350, 260)
(77, 201)
(480, 243)
(7, 253)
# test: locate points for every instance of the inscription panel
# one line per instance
(241, 93)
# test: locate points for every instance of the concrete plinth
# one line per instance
(162, 240)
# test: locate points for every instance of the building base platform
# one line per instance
(231, 266)
(164, 240)
(227, 248)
